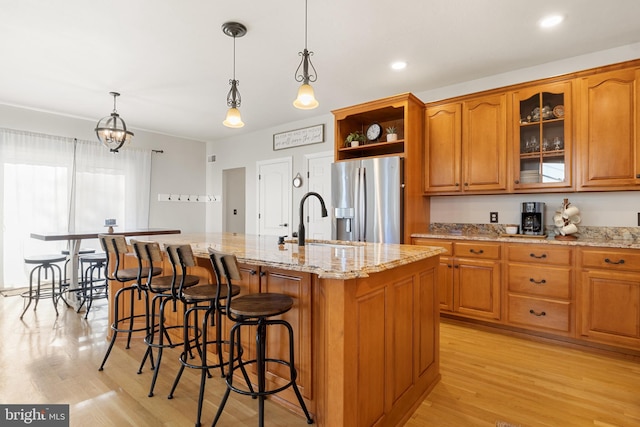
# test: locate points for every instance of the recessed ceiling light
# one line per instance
(551, 21)
(399, 65)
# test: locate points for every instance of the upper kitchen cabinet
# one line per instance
(607, 139)
(466, 146)
(403, 112)
(542, 138)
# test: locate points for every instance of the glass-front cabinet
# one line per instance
(542, 138)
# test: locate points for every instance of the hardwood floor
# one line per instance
(486, 378)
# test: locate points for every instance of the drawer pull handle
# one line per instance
(541, 282)
(473, 251)
(608, 261)
(538, 256)
(542, 313)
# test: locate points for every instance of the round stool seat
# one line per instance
(44, 259)
(261, 305)
(93, 257)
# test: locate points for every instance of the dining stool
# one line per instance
(115, 247)
(208, 299)
(93, 284)
(66, 253)
(162, 289)
(46, 264)
(258, 310)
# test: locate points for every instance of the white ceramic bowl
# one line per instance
(511, 229)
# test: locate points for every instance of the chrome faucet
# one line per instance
(301, 225)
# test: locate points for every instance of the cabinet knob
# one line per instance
(457, 184)
(253, 272)
(466, 184)
(517, 181)
(263, 273)
(608, 261)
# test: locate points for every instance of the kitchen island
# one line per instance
(365, 319)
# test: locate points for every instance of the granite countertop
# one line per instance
(608, 237)
(327, 259)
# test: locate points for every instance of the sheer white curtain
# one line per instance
(39, 193)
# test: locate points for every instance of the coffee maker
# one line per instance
(532, 218)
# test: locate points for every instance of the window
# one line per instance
(53, 184)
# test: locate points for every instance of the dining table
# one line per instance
(76, 238)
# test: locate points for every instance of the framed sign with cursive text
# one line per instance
(296, 138)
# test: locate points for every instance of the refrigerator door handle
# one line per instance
(362, 205)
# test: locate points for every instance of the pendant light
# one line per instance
(233, 119)
(306, 99)
(112, 130)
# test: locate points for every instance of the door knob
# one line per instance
(284, 225)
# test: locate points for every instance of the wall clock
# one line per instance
(374, 132)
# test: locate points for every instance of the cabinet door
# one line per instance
(542, 137)
(609, 307)
(607, 140)
(443, 141)
(445, 283)
(484, 144)
(477, 288)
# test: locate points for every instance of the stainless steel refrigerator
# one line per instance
(367, 200)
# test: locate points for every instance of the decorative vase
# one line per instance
(355, 143)
(392, 137)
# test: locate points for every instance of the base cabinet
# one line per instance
(609, 297)
(539, 288)
(468, 278)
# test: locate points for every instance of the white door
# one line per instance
(274, 197)
(319, 180)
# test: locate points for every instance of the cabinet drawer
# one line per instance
(539, 254)
(539, 313)
(553, 282)
(448, 246)
(477, 250)
(622, 260)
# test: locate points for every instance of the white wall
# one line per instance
(180, 169)
(245, 151)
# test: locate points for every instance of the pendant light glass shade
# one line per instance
(112, 130)
(233, 119)
(306, 99)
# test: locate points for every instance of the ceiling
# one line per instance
(172, 63)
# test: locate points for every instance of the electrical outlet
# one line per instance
(493, 217)
(638, 219)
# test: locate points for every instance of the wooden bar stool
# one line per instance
(207, 299)
(115, 246)
(162, 289)
(46, 264)
(257, 310)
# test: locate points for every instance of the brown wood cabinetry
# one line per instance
(607, 136)
(609, 296)
(539, 287)
(443, 129)
(405, 112)
(466, 146)
(542, 138)
(469, 279)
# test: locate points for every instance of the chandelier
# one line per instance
(112, 130)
